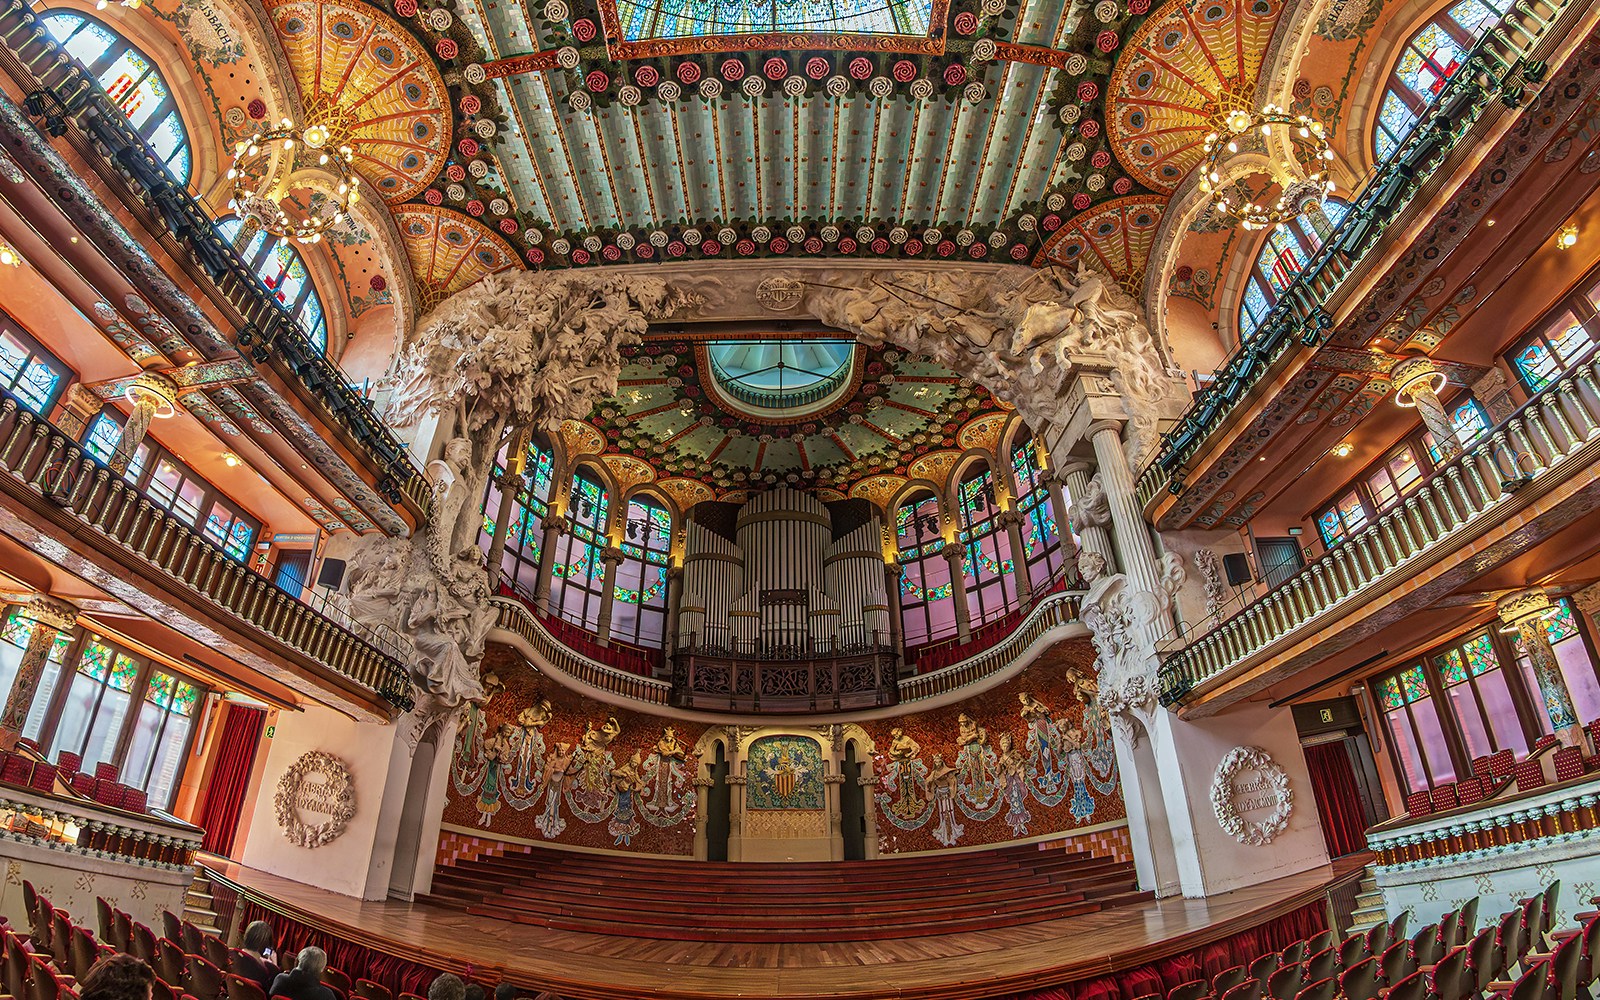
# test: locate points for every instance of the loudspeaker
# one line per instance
(1236, 565)
(331, 574)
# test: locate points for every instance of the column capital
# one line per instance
(612, 554)
(1074, 466)
(1415, 377)
(1007, 518)
(50, 611)
(894, 570)
(153, 391)
(1522, 605)
(952, 551)
(508, 480)
(551, 522)
(1115, 426)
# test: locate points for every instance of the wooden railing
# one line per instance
(515, 617)
(1299, 320)
(36, 456)
(1537, 443)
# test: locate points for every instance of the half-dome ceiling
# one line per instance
(891, 411)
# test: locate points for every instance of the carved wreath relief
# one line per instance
(1249, 783)
(316, 799)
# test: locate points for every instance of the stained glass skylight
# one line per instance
(647, 19)
(782, 374)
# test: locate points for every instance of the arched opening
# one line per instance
(927, 600)
(640, 614)
(988, 569)
(413, 818)
(130, 78)
(524, 522)
(718, 805)
(853, 806)
(1429, 58)
(284, 273)
(1285, 251)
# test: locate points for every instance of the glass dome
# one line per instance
(781, 374)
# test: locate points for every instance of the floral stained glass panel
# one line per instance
(1451, 667)
(1414, 683)
(1389, 693)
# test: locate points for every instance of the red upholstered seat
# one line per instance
(1569, 763)
(1418, 804)
(1444, 798)
(1501, 763)
(1480, 767)
(1469, 791)
(1529, 775)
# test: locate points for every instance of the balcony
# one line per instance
(1053, 618)
(1508, 479)
(1501, 65)
(47, 470)
(785, 671)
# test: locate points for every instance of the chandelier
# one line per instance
(262, 166)
(1297, 157)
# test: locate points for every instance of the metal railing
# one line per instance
(1058, 609)
(1453, 505)
(71, 102)
(1299, 320)
(37, 457)
(515, 617)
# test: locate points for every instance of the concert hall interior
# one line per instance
(953, 499)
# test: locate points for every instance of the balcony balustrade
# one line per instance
(37, 458)
(1542, 442)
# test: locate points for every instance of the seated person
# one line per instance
(304, 981)
(256, 961)
(117, 977)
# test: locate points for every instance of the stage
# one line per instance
(966, 965)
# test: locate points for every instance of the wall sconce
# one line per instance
(231, 460)
(9, 255)
(1342, 449)
(1568, 237)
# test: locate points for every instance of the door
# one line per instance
(291, 575)
(853, 807)
(1279, 559)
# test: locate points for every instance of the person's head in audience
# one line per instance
(447, 987)
(258, 938)
(474, 991)
(505, 991)
(312, 962)
(117, 977)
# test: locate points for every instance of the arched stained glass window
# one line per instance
(639, 612)
(927, 603)
(1289, 246)
(1429, 58)
(988, 566)
(578, 571)
(131, 80)
(1041, 535)
(283, 271)
(525, 524)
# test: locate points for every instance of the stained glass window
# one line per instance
(1397, 477)
(1430, 58)
(131, 81)
(1470, 422)
(19, 631)
(987, 566)
(1041, 538)
(283, 271)
(640, 612)
(647, 19)
(32, 374)
(1347, 516)
(578, 570)
(1411, 714)
(160, 736)
(926, 592)
(1542, 357)
(1284, 253)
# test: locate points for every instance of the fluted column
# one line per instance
(1417, 383)
(954, 553)
(50, 618)
(612, 557)
(1137, 556)
(152, 395)
(892, 572)
(509, 483)
(1091, 537)
(1526, 611)
(552, 526)
(1011, 520)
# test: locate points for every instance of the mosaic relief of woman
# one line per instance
(942, 782)
(1014, 774)
(549, 822)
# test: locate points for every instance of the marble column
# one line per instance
(1136, 554)
(551, 526)
(50, 618)
(702, 806)
(1091, 537)
(1011, 520)
(612, 557)
(509, 483)
(1526, 611)
(152, 395)
(954, 553)
(1417, 383)
(674, 603)
(892, 572)
(831, 784)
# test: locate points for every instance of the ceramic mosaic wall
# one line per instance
(1029, 758)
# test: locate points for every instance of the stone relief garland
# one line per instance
(341, 794)
(1275, 782)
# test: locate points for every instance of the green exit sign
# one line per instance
(270, 731)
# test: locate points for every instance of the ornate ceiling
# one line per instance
(901, 417)
(560, 133)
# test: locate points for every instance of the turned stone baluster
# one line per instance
(121, 505)
(1555, 413)
(8, 409)
(92, 505)
(1588, 404)
(38, 428)
(82, 483)
(1538, 426)
(1299, 605)
(1458, 490)
(1452, 505)
(1341, 570)
(52, 452)
(1283, 616)
(1486, 495)
(1572, 393)
(1416, 523)
(1389, 548)
(166, 544)
(1503, 455)
(1404, 542)
(1529, 461)
(141, 523)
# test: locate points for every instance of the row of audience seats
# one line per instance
(1522, 956)
(1547, 763)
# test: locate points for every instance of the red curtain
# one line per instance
(230, 777)
(1333, 783)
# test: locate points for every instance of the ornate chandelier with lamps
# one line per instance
(261, 170)
(1297, 153)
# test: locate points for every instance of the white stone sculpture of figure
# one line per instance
(1122, 625)
(1211, 579)
(1091, 566)
(1017, 332)
(375, 575)
(1093, 509)
(511, 352)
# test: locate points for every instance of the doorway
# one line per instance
(413, 816)
(1280, 559)
(291, 572)
(853, 807)
(718, 805)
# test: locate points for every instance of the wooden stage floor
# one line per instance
(951, 967)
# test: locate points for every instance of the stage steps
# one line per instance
(669, 899)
